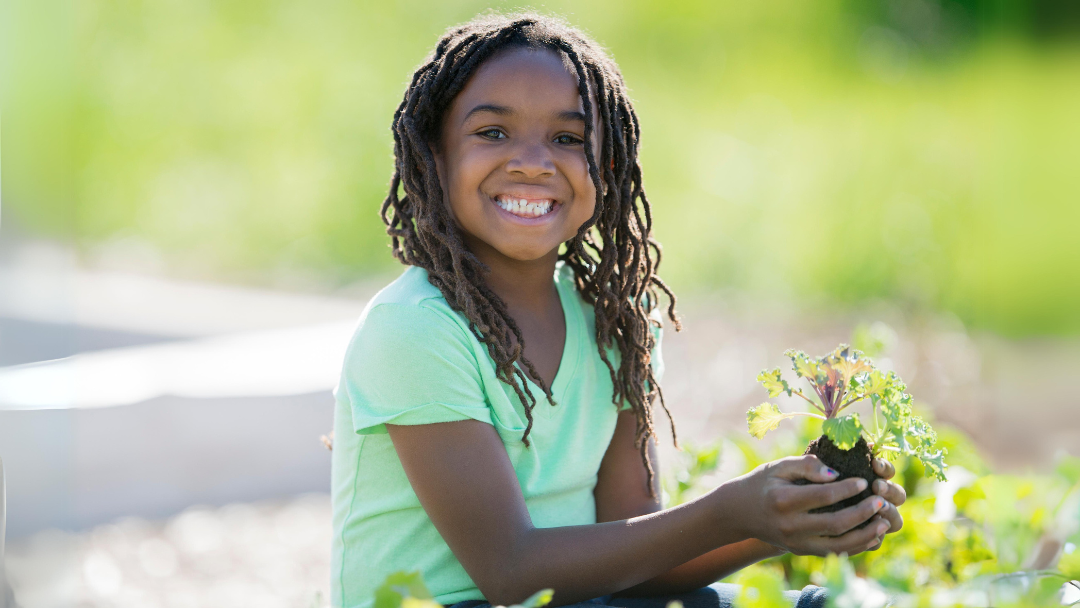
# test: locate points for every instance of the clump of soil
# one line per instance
(856, 462)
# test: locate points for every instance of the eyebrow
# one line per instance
(565, 115)
(486, 107)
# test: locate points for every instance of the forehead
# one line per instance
(521, 78)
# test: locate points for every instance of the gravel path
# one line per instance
(266, 554)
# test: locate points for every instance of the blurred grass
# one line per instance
(813, 152)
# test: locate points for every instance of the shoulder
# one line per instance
(409, 317)
(412, 301)
(412, 288)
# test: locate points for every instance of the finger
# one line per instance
(890, 491)
(805, 498)
(883, 468)
(840, 522)
(805, 467)
(862, 539)
(892, 515)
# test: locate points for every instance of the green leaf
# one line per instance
(412, 602)
(761, 587)
(536, 600)
(773, 382)
(802, 364)
(935, 463)
(764, 418)
(843, 431)
(1069, 565)
(398, 586)
(1069, 468)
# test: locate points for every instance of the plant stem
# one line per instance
(808, 400)
(877, 429)
(810, 414)
(846, 404)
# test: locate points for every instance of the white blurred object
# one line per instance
(157, 306)
(234, 556)
(7, 598)
(276, 362)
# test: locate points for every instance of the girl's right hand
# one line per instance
(777, 509)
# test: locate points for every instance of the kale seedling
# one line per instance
(841, 379)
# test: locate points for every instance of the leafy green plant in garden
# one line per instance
(840, 380)
(695, 463)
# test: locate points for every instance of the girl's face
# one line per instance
(511, 157)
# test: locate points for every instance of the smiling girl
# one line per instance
(494, 419)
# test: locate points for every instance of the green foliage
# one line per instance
(404, 590)
(966, 540)
(774, 383)
(843, 431)
(696, 462)
(844, 378)
(764, 418)
(244, 138)
(762, 587)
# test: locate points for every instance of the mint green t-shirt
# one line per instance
(414, 360)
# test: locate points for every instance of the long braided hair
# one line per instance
(613, 256)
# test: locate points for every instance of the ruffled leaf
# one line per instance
(773, 382)
(764, 418)
(934, 463)
(804, 366)
(843, 431)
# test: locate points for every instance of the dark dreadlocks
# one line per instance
(613, 255)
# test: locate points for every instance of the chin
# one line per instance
(527, 254)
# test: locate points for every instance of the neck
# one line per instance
(525, 286)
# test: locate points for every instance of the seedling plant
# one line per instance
(840, 380)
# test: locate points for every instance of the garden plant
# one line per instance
(840, 380)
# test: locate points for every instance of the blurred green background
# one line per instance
(921, 152)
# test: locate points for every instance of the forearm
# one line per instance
(705, 569)
(583, 562)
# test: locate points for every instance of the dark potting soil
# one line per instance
(856, 462)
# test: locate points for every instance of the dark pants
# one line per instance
(717, 595)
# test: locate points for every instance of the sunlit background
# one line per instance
(189, 230)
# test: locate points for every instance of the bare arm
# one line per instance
(464, 479)
(622, 492)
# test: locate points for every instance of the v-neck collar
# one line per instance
(568, 364)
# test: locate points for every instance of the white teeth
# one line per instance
(523, 207)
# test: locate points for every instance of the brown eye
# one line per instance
(569, 140)
(492, 134)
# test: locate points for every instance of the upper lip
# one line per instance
(529, 196)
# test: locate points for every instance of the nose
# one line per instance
(531, 160)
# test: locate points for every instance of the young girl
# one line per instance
(494, 420)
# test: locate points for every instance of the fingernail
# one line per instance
(881, 528)
(860, 484)
(828, 472)
(879, 486)
(878, 503)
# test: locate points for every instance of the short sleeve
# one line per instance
(408, 364)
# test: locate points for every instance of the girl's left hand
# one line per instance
(893, 494)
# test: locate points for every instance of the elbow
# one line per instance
(501, 589)
(503, 585)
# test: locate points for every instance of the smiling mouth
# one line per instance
(526, 208)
